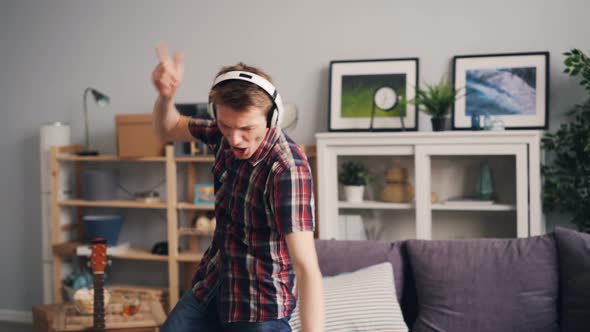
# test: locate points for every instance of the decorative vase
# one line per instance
(397, 193)
(440, 123)
(354, 194)
(485, 186)
(397, 189)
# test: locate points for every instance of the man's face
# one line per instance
(244, 130)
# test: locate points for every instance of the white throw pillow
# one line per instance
(363, 300)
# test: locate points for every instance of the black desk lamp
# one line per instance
(101, 100)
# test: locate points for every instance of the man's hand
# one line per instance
(168, 73)
(301, 248)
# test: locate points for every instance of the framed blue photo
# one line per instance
(204, 194)
(511, 87)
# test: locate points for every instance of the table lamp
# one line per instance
(101, 100)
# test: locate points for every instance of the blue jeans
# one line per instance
(191, 316)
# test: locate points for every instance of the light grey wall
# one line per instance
(51, 50)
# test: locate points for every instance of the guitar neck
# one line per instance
(98, 316)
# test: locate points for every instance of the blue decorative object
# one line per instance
(204, 194)
(484, 186)
(475, 121)
(105, 226)
(82, 280)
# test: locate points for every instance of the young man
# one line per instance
(263, 207)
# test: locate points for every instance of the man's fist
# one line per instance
(168, 73)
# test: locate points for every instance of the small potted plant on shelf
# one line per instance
(354, 175)
(436, 100)
(566, 185)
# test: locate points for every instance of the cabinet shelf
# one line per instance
(73, 157)
(189, 257)
(115, 204)
(134, 204)
(69, 249)
(190, 206)
(108, 158)
(190, 231)
(139, 254)
(375, 205)
(474, 207)
(195, 159)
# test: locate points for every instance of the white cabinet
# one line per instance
(441, 163)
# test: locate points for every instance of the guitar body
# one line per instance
(98, 262)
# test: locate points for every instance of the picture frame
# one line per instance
(353, 84)
(204, 194)
(513, 88)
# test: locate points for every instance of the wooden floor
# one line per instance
(15, 327)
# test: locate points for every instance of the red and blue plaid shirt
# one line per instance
(258, 201)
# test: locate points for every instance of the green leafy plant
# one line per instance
(578, 63)
(354, 173)
(566, 186)
(436, 100)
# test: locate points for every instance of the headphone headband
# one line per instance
(259, 81)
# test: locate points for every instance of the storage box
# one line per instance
(136, 136)
(204, 194)
(43, 317)
(159, 294)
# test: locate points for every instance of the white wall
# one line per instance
(51, 50)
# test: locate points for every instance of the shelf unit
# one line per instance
(435, 162)
(62, 247)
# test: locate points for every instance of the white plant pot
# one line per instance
(354, 194)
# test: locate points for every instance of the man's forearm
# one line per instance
(165, 116)
(311, 306)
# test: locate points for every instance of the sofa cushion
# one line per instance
(485, 284)
(362, 300)
(574, 273)
(339, 256)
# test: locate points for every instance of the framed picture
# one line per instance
(355, 85)
(204, 194)
(512, 88)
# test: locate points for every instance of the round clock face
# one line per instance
(385, 98)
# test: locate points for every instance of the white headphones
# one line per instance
(274, 115)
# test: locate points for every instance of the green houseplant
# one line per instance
(566, 186)
(354, 175)
(436, 100)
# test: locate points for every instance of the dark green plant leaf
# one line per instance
(566, 178)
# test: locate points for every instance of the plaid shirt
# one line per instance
(258, 201)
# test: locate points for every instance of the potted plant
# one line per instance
(354, 175)
(566, 186)
(436, 100)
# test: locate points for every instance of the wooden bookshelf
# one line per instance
(64, 247)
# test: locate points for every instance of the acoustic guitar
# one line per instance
(98, 262)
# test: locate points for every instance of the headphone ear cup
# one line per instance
(278, 118)
(271, 118)
(211, 110)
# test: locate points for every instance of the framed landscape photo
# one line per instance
(355, 85)
(511, 87)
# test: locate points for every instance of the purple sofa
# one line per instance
(539, 283)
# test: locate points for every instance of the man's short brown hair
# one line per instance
(241, 94)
